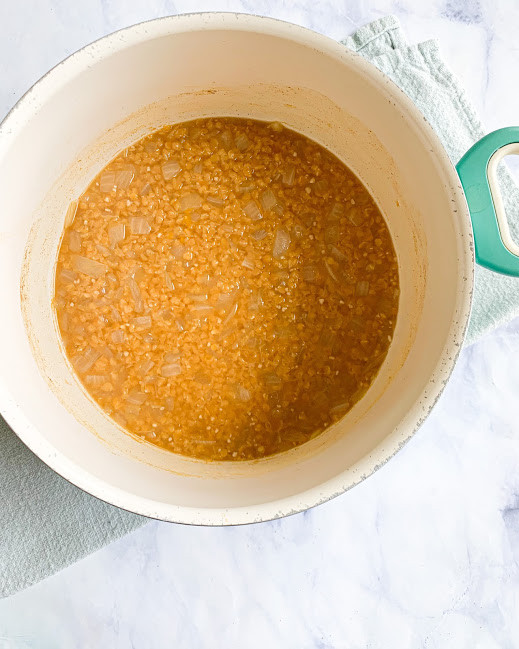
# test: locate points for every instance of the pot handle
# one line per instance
(495, 248)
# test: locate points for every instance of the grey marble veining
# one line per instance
(423, 554)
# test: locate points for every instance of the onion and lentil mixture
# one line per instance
(226, 289)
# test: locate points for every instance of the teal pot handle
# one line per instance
(495, 248)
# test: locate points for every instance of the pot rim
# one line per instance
(93, 53)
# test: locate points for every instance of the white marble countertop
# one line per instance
(423, 554)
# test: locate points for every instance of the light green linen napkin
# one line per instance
(46, 523)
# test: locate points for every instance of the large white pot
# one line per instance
(73, 121)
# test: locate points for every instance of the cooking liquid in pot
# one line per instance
(226, 289)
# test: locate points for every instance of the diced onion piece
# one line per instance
(309, 219)
(151, 147)
(337, 254)
(272, 380)
(190, 201)
(283, 332)
(280, 277)
(248, 263)
(119, 418)
(202, 308)
(116, 234)
(177, 250)
(170, 169)
(268, 200)
(67, 276)
(259, 235)
(356, 324)
(331, 234)
(232, 245)
(340, 407)
(198, 297)
(138, 272)
(96, 380)
(102, 249)
(252, 211)
(202, 378)
(118, 336)
(276, 126)
(355, 217)
(86, 360)
(336, 211)
(106, 181)
(226, 139)
(88, 266)
(171, 369)
(64, 321)
(198, 168)
(124, 177)
(117, 295)
(279, 209)
(168, 281)
(299, 231)
(226, 333)
(136, 398)
(195, 216)
(107, 352)
(329, 270)
(281, 243)
(246, 186)
(242, 394)
(309, 273)
(224, 300)
(327, 338)
(206, 280)
(215, 200)
(116, 316)
(256, 301)
(231, 314)
(71, 214)
(242, 142)
(146, 188)
(288, 176)
(321, 187)
(169, 403)
(74, 241)
(362, 288)
(135, 293)
(139, 225)
(171, 357)
(143, 321)
(132, 410)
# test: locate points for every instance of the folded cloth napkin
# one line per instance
(47, 523)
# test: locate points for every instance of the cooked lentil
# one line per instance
(226, 289)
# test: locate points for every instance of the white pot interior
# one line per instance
(177, 69)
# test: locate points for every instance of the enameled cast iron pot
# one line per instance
(73, 121)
